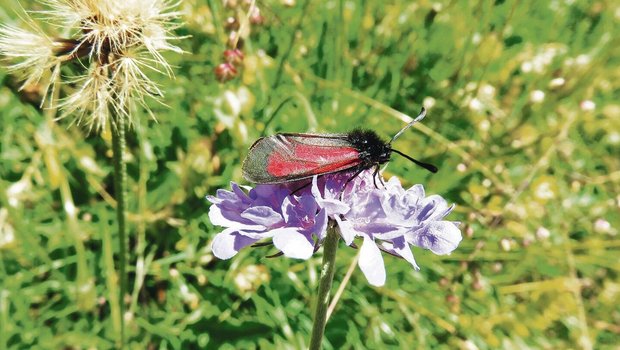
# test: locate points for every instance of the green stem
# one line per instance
(120, 189)
(325, 284)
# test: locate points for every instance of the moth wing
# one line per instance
(290, 157)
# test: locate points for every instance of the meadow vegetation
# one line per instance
(523, 123)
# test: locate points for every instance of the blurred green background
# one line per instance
(523, 122)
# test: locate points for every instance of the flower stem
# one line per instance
(325, 283)
(120, 190)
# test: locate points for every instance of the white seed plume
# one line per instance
(115, 40)
(31, 53)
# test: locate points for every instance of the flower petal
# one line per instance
(371, 262)
(405, 253)
(292, 243)
(262, 215)
(218, 218)
(223, 245)
(256, 235)
(288, 209)
(347, 231)
(315, 188)
(434, 207)
(416, 191)
(441, 237)
(320, 224)
(242, 241)
(308, 204)
(241, 195)
(333, 206)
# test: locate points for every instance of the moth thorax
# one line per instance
(372, 150)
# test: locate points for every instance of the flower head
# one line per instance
(120, 40)
(387, 218)
(294, 223)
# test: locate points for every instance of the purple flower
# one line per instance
(397, 218)
(267, 211)
(387, 218)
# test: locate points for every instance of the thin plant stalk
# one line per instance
(119, 125)
(325, 284)
(343, 285)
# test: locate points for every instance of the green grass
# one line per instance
(536, 183)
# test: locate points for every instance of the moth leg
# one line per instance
(274, 255)
(380, 177)
(383, 249)
(316, 246)
(375, 175)
(264, 244)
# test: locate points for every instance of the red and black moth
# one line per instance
(290, 157)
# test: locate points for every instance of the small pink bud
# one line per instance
(234, 56)
(225, 71)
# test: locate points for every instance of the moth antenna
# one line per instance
(417, 119)
(427, 166)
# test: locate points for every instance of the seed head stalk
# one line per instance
(119, 126)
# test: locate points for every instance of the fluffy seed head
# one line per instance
(117, 41)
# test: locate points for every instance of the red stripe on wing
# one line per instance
(312, 160)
